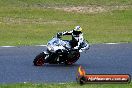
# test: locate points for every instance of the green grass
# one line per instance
(67, 85)
(64, 2)
(23, 22)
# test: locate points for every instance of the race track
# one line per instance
(16, 63)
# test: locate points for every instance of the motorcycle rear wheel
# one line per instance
(73, 59)
(39, 59)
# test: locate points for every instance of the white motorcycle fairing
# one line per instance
(56, 44)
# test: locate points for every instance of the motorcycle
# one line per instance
(60, 52)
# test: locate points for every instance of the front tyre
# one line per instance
(39, 60)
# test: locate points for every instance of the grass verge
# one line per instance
(25, 22)
(38, 26)
(65, 85)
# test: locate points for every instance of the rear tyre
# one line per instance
(39, 60)
(72, 58)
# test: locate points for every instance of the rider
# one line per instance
(77, 37)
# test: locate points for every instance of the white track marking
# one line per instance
(46, 45)
(16, 46)
(24, 82)
(7, 46)
(41, 45)
(111, 43)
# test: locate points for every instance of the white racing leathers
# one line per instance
(77, 39)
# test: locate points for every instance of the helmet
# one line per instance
(78, 28)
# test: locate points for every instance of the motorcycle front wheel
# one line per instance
(39, 60)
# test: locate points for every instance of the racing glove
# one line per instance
(59, 34)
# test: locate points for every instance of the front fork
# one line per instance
(46, 55)
(49, 56)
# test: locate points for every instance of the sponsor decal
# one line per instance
(82, 77)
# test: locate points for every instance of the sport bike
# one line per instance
(59, 51)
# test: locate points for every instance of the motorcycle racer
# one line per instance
(77, 37)
(61, 51)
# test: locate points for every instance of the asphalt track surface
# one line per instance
(16, 63)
